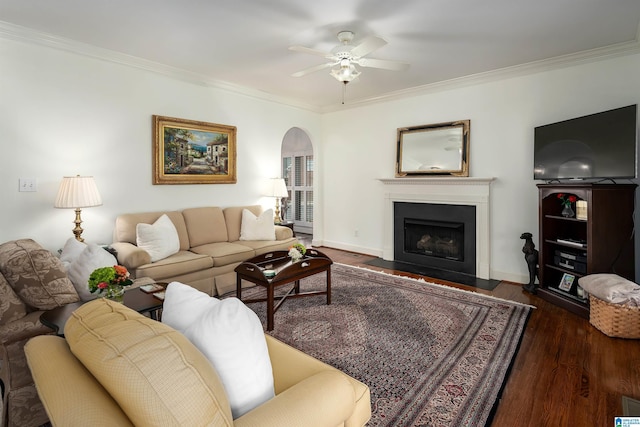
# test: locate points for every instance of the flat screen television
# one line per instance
(597, 146)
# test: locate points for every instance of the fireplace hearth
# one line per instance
(436, 235)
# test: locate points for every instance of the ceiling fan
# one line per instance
(346, 56)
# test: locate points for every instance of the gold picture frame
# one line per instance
(193, 152)
(436, 149)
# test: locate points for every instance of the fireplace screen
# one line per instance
(434, 238)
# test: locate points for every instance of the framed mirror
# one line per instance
(438, 149)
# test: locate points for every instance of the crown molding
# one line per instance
(23, 34)
(558, 62)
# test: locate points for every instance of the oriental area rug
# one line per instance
(432, 355)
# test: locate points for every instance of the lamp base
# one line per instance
(77, 231)
(276, 214)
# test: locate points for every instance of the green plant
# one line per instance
(300, 248)
(104, 278)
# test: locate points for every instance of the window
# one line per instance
(297, 171)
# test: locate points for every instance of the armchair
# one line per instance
(32, 279)
(117, 367)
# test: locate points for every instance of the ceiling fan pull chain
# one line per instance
(344, 90)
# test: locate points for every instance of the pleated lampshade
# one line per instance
(78, 192)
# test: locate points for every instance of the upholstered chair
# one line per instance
(32, 280)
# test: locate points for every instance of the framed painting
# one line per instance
(566, 282)
(192, 152)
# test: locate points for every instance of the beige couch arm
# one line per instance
(130, 255)
(324, 399)
(283, 233)
(69, 393)
(291, 366)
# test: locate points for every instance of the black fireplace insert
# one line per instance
(436, 235)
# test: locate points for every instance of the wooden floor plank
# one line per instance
(566, 373)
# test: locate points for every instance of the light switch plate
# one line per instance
(28, 184)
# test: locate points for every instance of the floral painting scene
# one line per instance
(192, 152)
(188, 151)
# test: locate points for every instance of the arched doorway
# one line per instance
(297, 171)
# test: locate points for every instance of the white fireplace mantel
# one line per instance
(444, 190)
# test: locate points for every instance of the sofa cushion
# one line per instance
(159, 239)
(36, 275)
(257, 227)
(205, 225)
(169, 381)
(225, 253)
(233, 219)
(231, 336)
(11, 307)
(181, 263)
(125, 229)
(263, 246)
(92, 257)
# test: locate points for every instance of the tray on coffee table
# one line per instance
(284, 272)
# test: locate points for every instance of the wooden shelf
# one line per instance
(606, 232)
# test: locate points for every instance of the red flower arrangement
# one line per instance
(567, 199)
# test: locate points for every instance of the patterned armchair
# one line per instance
(32, 280)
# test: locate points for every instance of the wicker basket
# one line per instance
(614, 320)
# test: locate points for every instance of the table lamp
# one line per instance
(278, 189)
(77, 192)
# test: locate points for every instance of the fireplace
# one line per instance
(457, 191)
(436, 235)
(440, 239)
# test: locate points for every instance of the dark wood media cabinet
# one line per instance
(604, 240)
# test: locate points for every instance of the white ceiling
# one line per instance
(243, 44)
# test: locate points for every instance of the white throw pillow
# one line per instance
(159, 239)
(71, 251)
(92, 257)
(257, 227)
(183, 305)
(230, 335)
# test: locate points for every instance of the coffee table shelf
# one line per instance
(286, 272)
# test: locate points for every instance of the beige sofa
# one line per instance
(117, 367)
(210, 247)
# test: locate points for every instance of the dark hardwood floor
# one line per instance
(566, 373)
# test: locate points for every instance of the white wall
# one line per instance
(359, 146)
(66, 114)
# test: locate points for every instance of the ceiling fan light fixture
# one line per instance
(346, 73)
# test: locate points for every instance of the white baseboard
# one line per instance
(345, 247)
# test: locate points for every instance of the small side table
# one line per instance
(288, 224)
(135, 299)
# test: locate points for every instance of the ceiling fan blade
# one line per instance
(312, 69)
(384, 64)
(311, 51)
(368, 45)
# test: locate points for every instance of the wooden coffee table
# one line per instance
(286, 272)
(134, 298)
